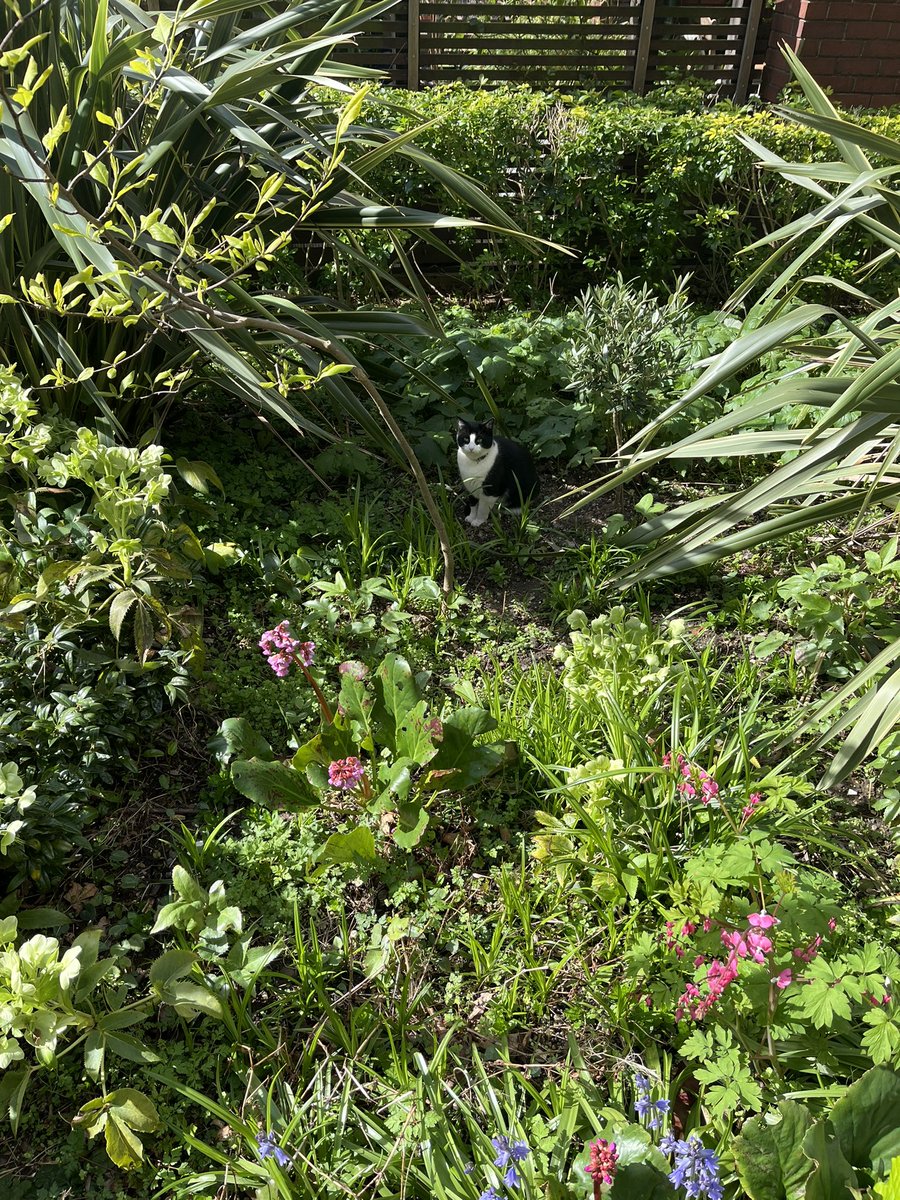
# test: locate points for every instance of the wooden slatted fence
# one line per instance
(628, 44)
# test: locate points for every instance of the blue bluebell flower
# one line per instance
(696, 1169)
(490, 1193)
(468, 1168)
(657, 1106)
(269, 1148)
(512, 1179)
(504, 1151)
(519, 1151)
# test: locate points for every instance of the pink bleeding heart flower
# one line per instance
(762, 920)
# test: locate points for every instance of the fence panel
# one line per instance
(631, 44)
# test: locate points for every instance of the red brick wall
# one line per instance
(851, 46)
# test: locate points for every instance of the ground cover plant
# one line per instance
(320, 881)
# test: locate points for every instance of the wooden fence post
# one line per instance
(412, 46)
(642, 57)
(751, 32)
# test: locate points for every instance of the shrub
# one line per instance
(650, 187)
(93, 554)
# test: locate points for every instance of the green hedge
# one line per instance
(652, 187)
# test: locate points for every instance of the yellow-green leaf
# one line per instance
(122, 1146)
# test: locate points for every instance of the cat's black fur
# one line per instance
(513, 477)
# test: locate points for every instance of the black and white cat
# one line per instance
(493, 469)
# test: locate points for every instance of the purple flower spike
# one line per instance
(696, 1169)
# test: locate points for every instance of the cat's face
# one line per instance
(475, 438)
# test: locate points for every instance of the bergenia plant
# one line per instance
(378, 750)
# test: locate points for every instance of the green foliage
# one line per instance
(840, 613)
(157, 167)
(642, 186)
(624, 358)
(93, 556)
(791, 1155)
(409, 755)
(838, 459)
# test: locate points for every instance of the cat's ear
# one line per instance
(461, 424)
(488, 424)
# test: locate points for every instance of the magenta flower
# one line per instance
(759, 946)
(603, 1162)
(762, 920)
(304, 653)
(282, 649)
(785, 979)
(345, 773)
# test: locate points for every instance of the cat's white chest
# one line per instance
(474, 471)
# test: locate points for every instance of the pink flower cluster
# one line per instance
(751, 805)
(752, 942)
(672, 938)
(345, 773)
(282, 649)
(695, 781)
(604, 1161)
(808, 953)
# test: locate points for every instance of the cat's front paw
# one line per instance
(474, 519)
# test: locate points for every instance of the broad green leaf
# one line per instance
(889, 1189)
(122, 1146)
(638, 1181)
(129, 1048)
(832, 1175)
(415, 737)
(398, 694)
(769, 1154)
(134, 1109)
(867, 1119)
(118, 610)
(12, 1092)
(174, 964)
(198, 475)
(190, 999)
(349, 847)
(236, 738)
(186, 886)
(412, 820)
(94, 1053)
(273, 784)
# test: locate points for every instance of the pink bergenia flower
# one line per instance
(282, 649)
(345, 773)
(305, 653)
(603, 1162)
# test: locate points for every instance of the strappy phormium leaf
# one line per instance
(159, 175)
(837, 466)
